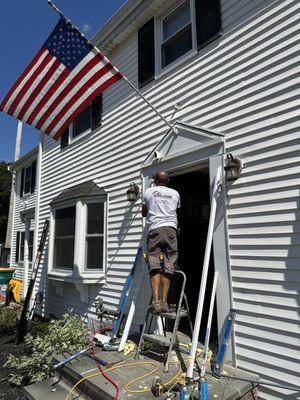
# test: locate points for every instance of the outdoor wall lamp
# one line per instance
(233, 167)
(133, 192)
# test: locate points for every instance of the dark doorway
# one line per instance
(193, 219)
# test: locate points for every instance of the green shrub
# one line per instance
(38, 328)
(8, 319)
(69, 333)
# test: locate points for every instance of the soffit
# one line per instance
(127, 20)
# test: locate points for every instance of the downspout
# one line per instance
(11, 219)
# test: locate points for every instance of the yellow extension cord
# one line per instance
(129, 383)
(111, 369)
(126, 386)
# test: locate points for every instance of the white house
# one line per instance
(228, 73)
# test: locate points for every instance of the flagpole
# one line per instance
(172, 127)
(149, 104)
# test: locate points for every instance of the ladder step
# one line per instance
(172, 315)
(165, 341)
(157, 339)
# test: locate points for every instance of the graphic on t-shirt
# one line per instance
(162, 196)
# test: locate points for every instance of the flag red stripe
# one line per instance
(28, 84)
(86, 102)
(77, 95)
(39, 88)
(48, 95)
(68, 88)
(22, 76)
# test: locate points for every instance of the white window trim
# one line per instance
(159, 70)
(79, 273)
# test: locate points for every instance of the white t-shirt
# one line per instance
(162, 203)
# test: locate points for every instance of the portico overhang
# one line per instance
(186, 144)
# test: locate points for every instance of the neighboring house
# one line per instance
(228, 74)
(24, 171)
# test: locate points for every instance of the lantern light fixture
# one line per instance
(133, 192)
(233, 167)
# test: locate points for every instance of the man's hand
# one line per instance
(144, 210)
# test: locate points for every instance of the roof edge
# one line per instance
(26, 157)
(122, 17)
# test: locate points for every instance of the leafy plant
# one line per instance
(38, 328)
(8, 319)
(69, 333)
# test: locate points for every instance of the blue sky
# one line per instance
(24, 27)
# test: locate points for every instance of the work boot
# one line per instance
(164, 307)
(155, 308)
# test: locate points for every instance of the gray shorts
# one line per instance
(162, 240)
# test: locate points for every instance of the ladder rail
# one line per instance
(179, 314)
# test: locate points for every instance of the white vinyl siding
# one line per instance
(244, 85)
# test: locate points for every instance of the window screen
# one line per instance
(176, 34)
(64, 238)
(94, 236)
(83, 122)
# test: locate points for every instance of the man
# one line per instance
(160, 204)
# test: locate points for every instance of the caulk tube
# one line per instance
(204, 273)
(203, 389)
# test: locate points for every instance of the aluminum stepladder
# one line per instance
(182, 312)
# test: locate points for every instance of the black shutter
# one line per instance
(146, 56)
(208, 21)
(64, 139)
(33, 175)
(17, 247)
(97, 112)
(22, 182)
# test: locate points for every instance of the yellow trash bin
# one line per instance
(15, 287)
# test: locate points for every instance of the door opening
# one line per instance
(193, 218)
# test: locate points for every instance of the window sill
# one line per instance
(84, 278)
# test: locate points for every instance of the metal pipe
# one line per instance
(204, 273)
(150, 105)
(209, 321)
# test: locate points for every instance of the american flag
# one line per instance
(61, 81)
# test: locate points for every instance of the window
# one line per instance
(176, 31)
(78, 233)
(185, 29)
(30, 246)
(94, 236)
(89, 119)
(64, 238)
(20, 242)
(20, 246)
(82, 123)
(28, 179)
